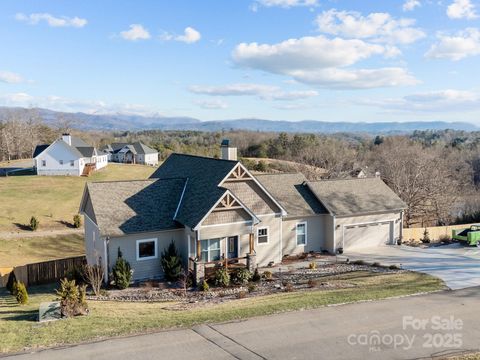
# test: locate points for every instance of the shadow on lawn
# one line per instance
(23, 226)
(11, 311)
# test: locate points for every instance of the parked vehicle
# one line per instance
(471, 236)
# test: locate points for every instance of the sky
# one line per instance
(330, 60)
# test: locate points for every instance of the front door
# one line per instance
(232, 247)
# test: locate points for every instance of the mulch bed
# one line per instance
(300, 279)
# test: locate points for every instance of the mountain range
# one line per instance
(123, 122)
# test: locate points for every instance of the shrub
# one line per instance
(252, 287)
(34, 223)
(72, 298)
(242, 294)
(20, 292)
(267, 275)
(204, 286)
(93, 275)
(394, 267)
(312, 283)
(445, 239)
(426, 237)
(358, 262)
(122, 272)
(222, 277)
(289, 287)
(76, 273)
(242, 276)
(77, 221)
(312, 265)
(171, 263)
(376, 264)
(256, 276)
(12, 279)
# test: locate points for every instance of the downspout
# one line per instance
(334, 237)
(106, 261)
(281, 238)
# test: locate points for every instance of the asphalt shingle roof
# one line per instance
(125, 207)
(136, 147)
(356, 196)
(292, 193)
(86, 151)
(39, 149)
(202, 190)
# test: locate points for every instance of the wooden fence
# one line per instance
(47, 271)
(434, 232)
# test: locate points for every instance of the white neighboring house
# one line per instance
(68, 155)
(131, 153)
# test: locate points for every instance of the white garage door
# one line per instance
(367, 235)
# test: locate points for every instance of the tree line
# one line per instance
(436, 173)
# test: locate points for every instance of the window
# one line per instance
(44, 162)
(147, 249)
(72, 163)
(61, 162)
(302, 234)
(210, 250)
(262, 236)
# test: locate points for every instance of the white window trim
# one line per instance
(144, 241)
(296, 233)
(268, 235)
(209, 258)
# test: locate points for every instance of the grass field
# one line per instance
(53, 199)
(20, 331)
(14, 252)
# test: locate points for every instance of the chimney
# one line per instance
(228, 152)
(67, 138)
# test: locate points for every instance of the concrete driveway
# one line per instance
(457, 265)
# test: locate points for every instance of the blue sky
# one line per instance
(275, 59)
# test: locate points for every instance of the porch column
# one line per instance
(251, 243)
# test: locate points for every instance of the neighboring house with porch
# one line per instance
(215, 209)
(68, 155)
(131, 153)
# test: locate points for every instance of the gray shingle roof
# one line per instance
(356, 196)
(291, 192)
(86, 151)
(125, 207)
(136, 147)
(77, 142)
(202, 191)
(39, 149)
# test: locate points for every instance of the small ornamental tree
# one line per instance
(122, 272)
(12, 279)
(426, 237)
(34, 223)
(72, 298)
(171, 263)
(77, 221)
(20, 293)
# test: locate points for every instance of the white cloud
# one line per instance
(286, 4)
(321, 61)
(62, 21)
(410, 5)
(380, 27)
(190, 36)
(136, 32)
(10, 77)
(456, 47)
(211, 104)
(434, 101)
(265, 92)
(461, 9)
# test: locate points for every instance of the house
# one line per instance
(134, 153)
(215, 209)
(68, 155)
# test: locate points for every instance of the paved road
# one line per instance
(336, 332)
(457, 265)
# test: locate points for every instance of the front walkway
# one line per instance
(456, 265)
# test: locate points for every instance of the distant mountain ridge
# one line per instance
(123, 122)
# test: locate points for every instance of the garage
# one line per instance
(367, 235)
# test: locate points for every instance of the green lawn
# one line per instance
(20, 330)
(53, 199)
(26, 250)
